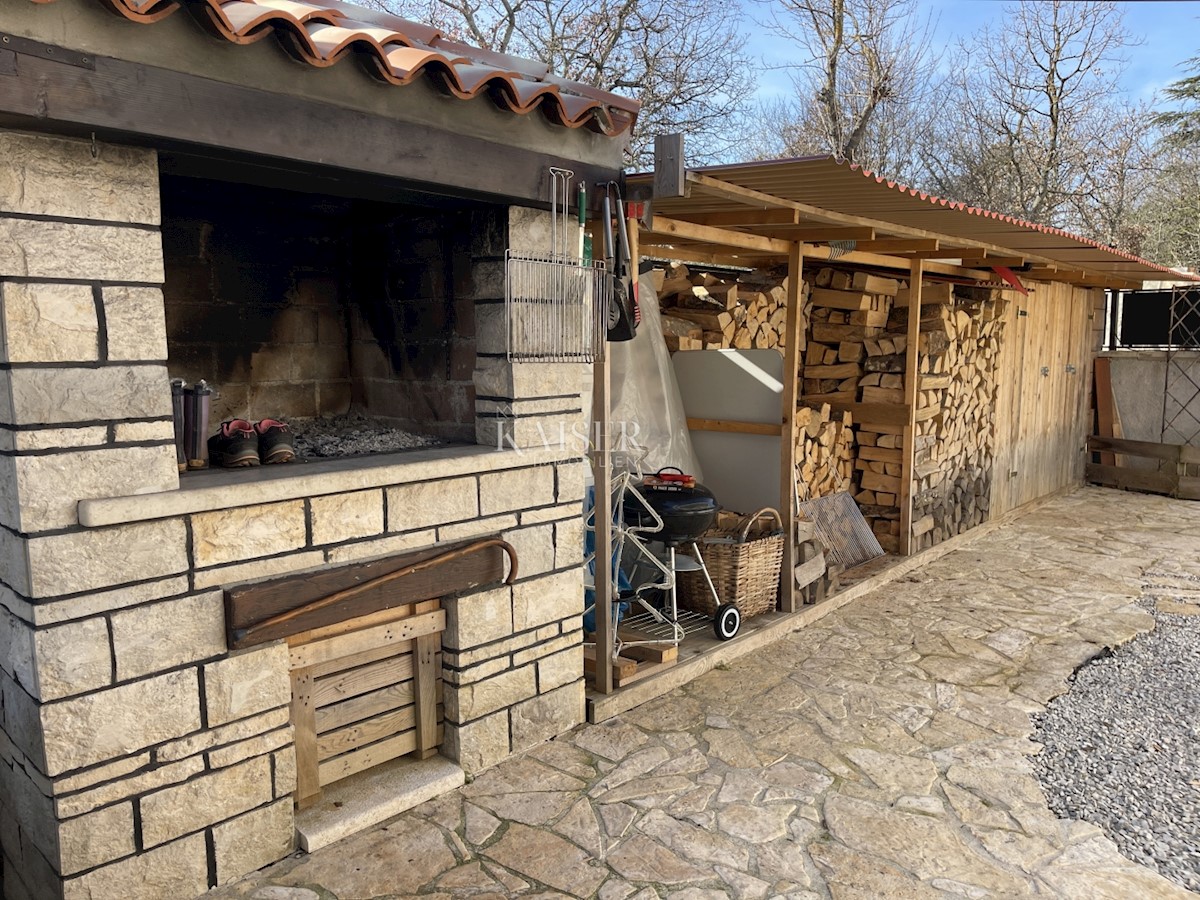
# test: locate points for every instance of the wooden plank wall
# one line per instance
(1043, 420)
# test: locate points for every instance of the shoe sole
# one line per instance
(282, 455)
(238, 462)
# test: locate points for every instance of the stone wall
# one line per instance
(138, 758)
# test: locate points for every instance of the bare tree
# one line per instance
(685, 60)
(864, 70)
(1026, 108)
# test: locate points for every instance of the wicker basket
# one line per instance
(744, 556)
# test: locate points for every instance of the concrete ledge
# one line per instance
(214, 489)
(361, 801)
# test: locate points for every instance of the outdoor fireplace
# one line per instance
(298, 306)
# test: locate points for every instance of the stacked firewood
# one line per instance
(824, 451)
(703, 311)
(955, 441)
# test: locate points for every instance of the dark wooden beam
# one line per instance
(126, 102)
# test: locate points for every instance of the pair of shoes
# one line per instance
(238, 444)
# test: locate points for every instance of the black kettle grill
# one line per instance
(687, 509)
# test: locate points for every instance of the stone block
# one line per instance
(104, 601)
(432, 503)
(247, 683)
(560, 669)
(564, 430)
(16, 648)
(51, 486)
(253, 840)
(206, 800)
(477, 619)
(491, 328)
(248, 532)
(529, 230)
(222, 735)
(136, 323)
(96, 838)
(550, 598)
(32, 810)
(20, 721)
(549, 647)
(388, 546)
(240, 573)
(483, 697)
(120, 720)
(62, 396)
(130, 432)
(151, 777)
(175, 870)
(68, 250)
(535, 549)
(165, 635)
(480, 744)
(476, 528)
(53, 176)
(571, 478)
(89, 560)
(499, 379)
(568, 543)
(501, 492)
(547, 716)
(285, 772)
(476, 671)
(262, 745)
(52, 323)
(61, 438)
(71, 659)
(344, 517)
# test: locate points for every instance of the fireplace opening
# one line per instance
(348, 318)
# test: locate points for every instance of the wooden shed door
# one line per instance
(365, 691)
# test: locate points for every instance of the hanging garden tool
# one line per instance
(624, 316)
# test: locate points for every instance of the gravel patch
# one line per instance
(351, 435)
(1122, 746)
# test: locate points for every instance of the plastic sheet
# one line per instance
(647, 418)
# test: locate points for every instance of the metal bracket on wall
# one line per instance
(26, 47)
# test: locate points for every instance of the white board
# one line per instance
(742, 470)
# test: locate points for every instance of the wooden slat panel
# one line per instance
(356, 761)
(355, 624)
(347, 712)
(358, 641)
(364, 679)
(375, 654)
(366, 732)
(308, 787)
(735, 427)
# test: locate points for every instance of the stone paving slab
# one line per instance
(881, 752)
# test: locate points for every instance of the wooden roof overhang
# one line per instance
(749, 215)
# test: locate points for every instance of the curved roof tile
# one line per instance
(398, 51)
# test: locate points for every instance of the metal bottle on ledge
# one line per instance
(197, 406)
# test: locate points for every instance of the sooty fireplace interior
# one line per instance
(342, 316)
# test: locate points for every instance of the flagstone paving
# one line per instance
(881, 752)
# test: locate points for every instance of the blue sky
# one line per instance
(1169, 31)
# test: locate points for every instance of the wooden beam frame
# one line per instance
(747, 217)
(724, 237)
(911, 379)
(718, 188)
(900, 245)
(793, 331)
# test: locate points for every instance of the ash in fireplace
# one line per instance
(354, 435)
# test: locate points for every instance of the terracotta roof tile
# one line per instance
(399, 51)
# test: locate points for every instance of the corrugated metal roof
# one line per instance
(399, 51)
(851, 191)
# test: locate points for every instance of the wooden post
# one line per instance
(425, 678)
(787, 451)
(602, 512)
(304, 722)
(911, 379)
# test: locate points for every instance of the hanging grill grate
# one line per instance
(556, 304)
